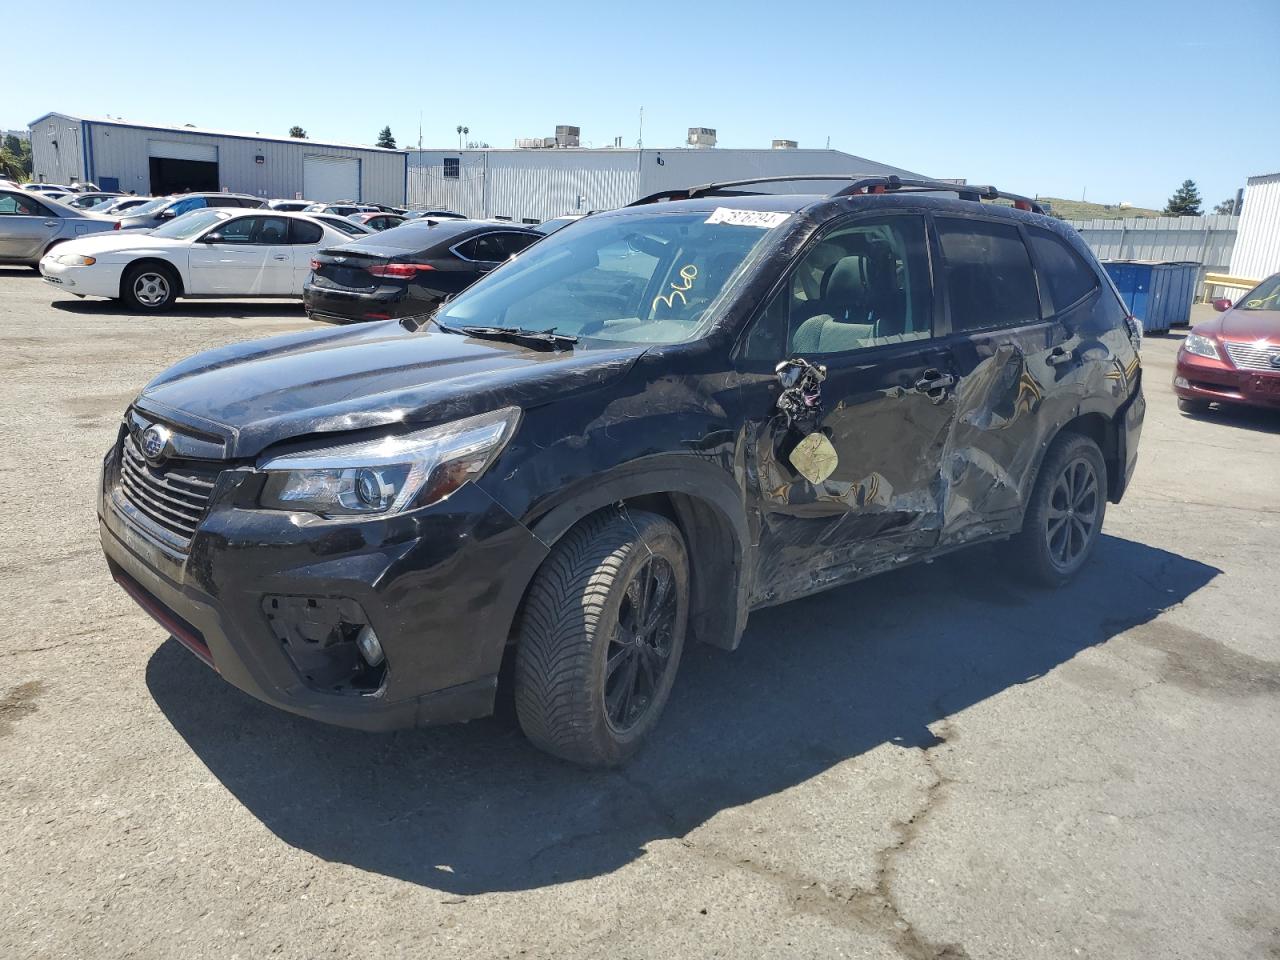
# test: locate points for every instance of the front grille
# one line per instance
(173, 498)
(1246, 356)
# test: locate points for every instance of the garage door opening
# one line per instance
(330, 178)
(182, 176)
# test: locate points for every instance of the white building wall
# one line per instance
(122, 151)
(540, 184)
(1257, 251)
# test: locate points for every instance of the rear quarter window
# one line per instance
(1063, 272)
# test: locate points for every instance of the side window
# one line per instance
(513, 243)
(1063, 272)
(239, 230)
(270, 231)
(187, 205)
(301, 231)
(221, 201)
(860, 286)
(988, 273)
(13, 205)
(488, 248)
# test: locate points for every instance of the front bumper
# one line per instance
(98, 280)
(440, 586)
(1203, 378)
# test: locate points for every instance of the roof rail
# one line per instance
(861, 185)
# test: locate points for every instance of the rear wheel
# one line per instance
(1193, 406)
(1064, 517)
(149, 286)
(600, 637)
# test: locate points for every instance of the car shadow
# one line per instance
(1257, 419)
(187, 309)
(474, 808)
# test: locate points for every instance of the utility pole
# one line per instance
(640, 142)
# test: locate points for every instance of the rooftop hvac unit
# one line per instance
(567, 136)
(702, 137)
(786, 144)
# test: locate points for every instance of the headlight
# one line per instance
(391, 474)
(1200, 346)
(75, 260)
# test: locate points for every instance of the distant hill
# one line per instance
(1079, 210)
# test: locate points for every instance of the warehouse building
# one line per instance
(534, 183)
(1256, 254)
(157, 159)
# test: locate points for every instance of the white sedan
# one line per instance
(215, 252)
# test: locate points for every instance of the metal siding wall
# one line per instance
(547, 183)
(1207, 241)
(63, 163)
(1257, 251)
(123, 152)
(685, 168)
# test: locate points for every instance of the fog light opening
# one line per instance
(369, 647)
(1180, 382)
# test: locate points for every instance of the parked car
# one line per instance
(163, 209)
(205, 253)
(1233, 359)
(377, 221)
(88, 201)
(46, 187)
(341, 209)
(296, 206)
(631, 435)
(31, 224)
(119, 205)
(342, 224)
(384, 208)
(407, 270)
(433, 215)
(84, 186)
(558, 223)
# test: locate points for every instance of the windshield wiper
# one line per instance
(538, 339)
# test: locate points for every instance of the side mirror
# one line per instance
(1222, 304)
(166, 215)
(212, 237)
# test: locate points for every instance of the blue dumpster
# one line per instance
(1157, 292)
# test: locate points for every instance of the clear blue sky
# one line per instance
(1125, 98)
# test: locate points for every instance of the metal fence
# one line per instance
(1207, 241)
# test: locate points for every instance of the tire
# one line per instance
(149, 287)
(1064, 517)
(591, 678)
(1193, 406)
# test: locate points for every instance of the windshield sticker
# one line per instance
(763, 219)
(688, 274)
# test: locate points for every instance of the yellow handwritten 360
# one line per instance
(688, 274)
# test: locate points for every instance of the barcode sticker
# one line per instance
(764, 219)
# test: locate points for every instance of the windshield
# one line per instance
(1265, 296)
(188, 225)
(151, 206)
(642, 278)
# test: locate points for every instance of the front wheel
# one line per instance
(600, 637)
(1064, 517)
(150, 287)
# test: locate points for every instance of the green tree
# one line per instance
(1185, 201)
(385, 139)
(297, 132)
(13, 144)
(11, 165)
(1226, 206)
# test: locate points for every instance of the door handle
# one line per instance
(51, 223)
(934, 384)
(1056, 356)
(278, 257)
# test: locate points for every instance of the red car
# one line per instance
(1234, 358)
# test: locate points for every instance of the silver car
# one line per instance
(30, 224)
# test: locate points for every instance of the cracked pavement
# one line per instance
(936, 763)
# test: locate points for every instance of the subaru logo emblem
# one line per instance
(155, 442)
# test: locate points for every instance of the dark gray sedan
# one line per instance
(30, 224)
(163, 209)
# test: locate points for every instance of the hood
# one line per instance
(112, 241)
(263, 392)
(1247, 325)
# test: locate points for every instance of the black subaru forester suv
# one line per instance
(634, 433)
